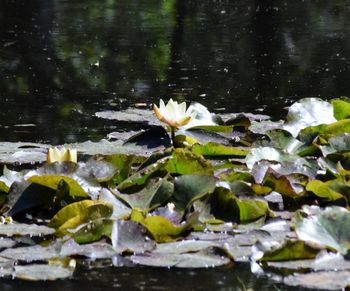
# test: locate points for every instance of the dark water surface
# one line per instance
(63, 60)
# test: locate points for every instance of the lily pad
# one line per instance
(329, 228)
(129, 236)
(97, 250)
(43, 272)
(341, 109)
(161, 228)
(213, 150)
(227, 207)
(78, 213)
(308, 112)
(52, 174)
(156, 192)
(328, 280)
(185, 162)
(184, 260)
(31, 253)
(189, 188)
(13, 229)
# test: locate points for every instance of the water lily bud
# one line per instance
(61, 155)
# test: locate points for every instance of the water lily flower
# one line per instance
(61, 155)
(173, 114)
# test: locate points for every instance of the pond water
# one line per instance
(63, 60)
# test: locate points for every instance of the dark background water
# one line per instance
(63, 60)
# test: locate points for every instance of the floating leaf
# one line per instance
(31, 253)
(78, 213)
(157, 191)
(290, 250)
(155, 137)
(215, 150)
(320, 280)
(341, 109)
(184, 162)
(97, 250)
(227, 207)
(162, 229)
(328, 228)
(42, 272)
(124, 165)
(186, 260)
(141, 177)
(51, 176)
(308, 134)
(322, 190)
(129, 236)
(13, 229)
(308, 112)
(93, 231)
(189, 188)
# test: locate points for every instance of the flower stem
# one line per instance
(172, 131)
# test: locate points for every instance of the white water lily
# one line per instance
(61, 155)
(173, 114)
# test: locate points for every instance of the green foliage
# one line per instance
(152, 207)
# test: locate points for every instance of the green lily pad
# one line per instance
(308, 134)
(156, 192)
(213, 150)
(141, 177)
(323, 191)
(51, 175)
(124, 164)
(93, 231)
(329, 228)
(290, 250)
(189, 188)
(184, 162)
(78, 213)
(341, 109)
(161, 228)
(226, 206)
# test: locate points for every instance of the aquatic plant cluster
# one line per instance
(220, 190)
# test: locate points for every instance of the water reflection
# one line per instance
(60, 61)
(154, 279)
